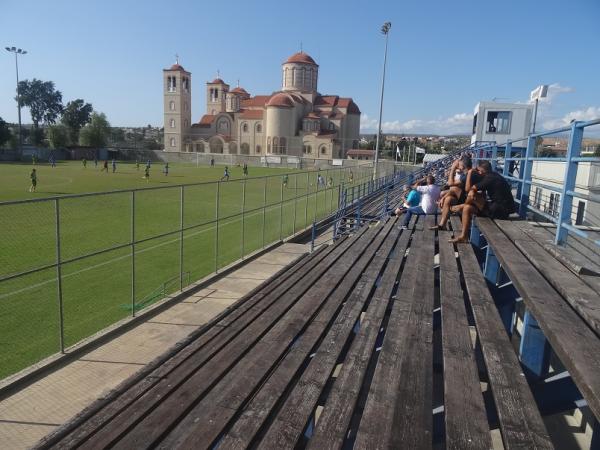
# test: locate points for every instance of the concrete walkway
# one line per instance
(35, 411)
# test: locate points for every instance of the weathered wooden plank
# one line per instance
(217, 352)
(520, 421)
(573, 341)
(239, 383)
(123, 395)
(464, 410)
(170, 410)
(579, 295)
(333, 423)
(398, 410)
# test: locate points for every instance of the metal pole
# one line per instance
(133, 253)
(316, 201)
(264, 211)
(61, 323)
(295, 200)
(243, 214)
(217, 229)
(385, 31)
(181, 240)
(281, 214)
(306, 198)
(535, 109)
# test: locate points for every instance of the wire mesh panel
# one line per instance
(230, 198)
(93, 223)
(230, 240)
(157, 211)
(29, 320)
(199, 204)
(27, 236)
(199, 251)
(96, 293)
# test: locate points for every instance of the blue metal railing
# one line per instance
(525, 179)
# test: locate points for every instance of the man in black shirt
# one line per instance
(499, 206)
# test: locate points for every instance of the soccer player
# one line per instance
(225, 174)
(114, 165)
(212, 162)
(166, 169)
(84, 161)
(105, 166)
(137, 164)
(95, 161)
(285, 180)
(33, 176)
(147, 174)
(245, 169)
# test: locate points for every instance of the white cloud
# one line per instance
(554, 90)
(458, 123)
(593, 112)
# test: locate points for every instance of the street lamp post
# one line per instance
(17, 52)
(384, 30)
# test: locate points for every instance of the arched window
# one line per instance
(223, 126)
(258, 128)
(307, 149)
(200, 147)
(173, 142)
(245, 148)
(172, 105)
(172, 123)
(331, 126)
(216, 145)
(258, 149)
(245, 127)
(323, 149)
(233, 148)
(282, 146)
(275, 145)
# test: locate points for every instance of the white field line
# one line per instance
(52, 280)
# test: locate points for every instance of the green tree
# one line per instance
(597, 152)
(58, 136)
(42, 99)
(75, 115)
(96, 133)
(5, 133)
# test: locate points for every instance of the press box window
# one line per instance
(498, 122)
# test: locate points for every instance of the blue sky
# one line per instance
(444, 56)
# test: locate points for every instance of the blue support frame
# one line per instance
(525, 175)
(507, 154)
(566, 201)
(534, 350)
(491, 269)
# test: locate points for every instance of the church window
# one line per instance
(200, 147)
(173, 142)
(323, 149)
(172, 123)
(245, 127)
(307, 149)
(245, 148)
(331, 126)
(258, 128)
(282, 146)
(223, 126)
(275, 145)
(171, 84)
(258, 149)
(172, 105)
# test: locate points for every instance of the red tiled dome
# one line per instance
(239, 90)
(177, 67)
(301, 58)
(217, 81)
(282, 100)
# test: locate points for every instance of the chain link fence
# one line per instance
(71, 266)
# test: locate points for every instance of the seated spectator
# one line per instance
(410, 198)
(460, 180)
(498, 204)
(430, 193)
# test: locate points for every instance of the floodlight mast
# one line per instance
(385, 29)
(17, 52)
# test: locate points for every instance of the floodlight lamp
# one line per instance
(13, 49)
(7, 49)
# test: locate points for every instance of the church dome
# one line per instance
(301, 58)
(177, 67)
(281, 100)
(239, 90)
(217, 81)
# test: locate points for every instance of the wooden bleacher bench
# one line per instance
(566, 308)
(336, 352)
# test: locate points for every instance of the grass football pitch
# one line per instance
(103, 273)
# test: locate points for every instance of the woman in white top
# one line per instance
(430, 194)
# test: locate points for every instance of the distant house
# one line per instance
(360, 154)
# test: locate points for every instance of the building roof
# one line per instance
(176, 67)
(252, 114)
(207, 119)
(326, 132)
(360, 152)
(349, 104)
(301, 58)
(281, 100)
(258, 101)
(327, 100)
(312, 115)
(217, 81)
(239, 90)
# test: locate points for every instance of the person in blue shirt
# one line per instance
(411, 198)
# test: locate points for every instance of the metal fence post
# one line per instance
(566, 200)
(181, 239)
(264, 211)
(281, 214)
(61, 323)
(306, 197)
(525, 176)
(494, 157)
(243, 215)
(217, 228)
(133, 253)
(507, 163)
(295, 201)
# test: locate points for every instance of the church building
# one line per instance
(296, 120)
